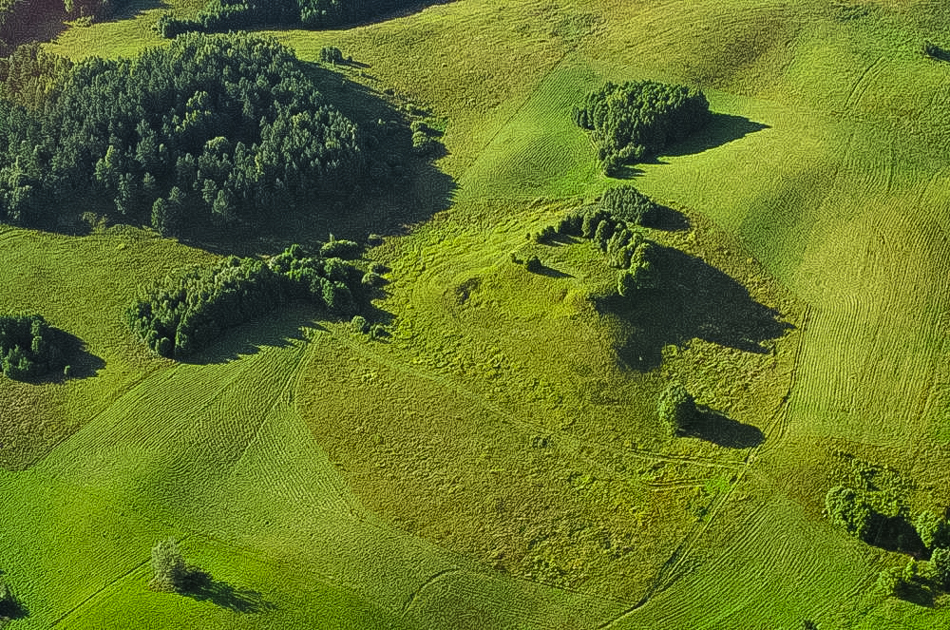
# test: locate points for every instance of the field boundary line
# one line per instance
(418, 591)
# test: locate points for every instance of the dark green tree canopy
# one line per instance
(29, 347)
(224, 15)
(631, 120)
(233, 122)
(676, 409)
(186, 313)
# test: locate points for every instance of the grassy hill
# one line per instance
(496, 461)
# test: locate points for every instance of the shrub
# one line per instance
(626, 203)
(340, 248)
(940, 559)
(373, 280)
(423, 145)
(418, 126)
(533, 264)
(851, 510)
(676, 409)
(889, 582)
(168, 567)
(331, 54)
(359, 324)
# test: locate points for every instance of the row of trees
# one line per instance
(29, 347)
(225, 15)
(631, 120)
(210, 130)
(184, 314)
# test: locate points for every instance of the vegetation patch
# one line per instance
(632, 120)
(186, 313)
(210, 130)
(225, 15)
(29, 347)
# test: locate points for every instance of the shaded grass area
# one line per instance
(693, 300)
(715, 427)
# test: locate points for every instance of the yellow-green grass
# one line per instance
(840, 197)
(130, 31)
(217, 453)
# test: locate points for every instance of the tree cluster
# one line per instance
(614, 226)
(184, 314)
(227, 15)
(631, 120)
(29, 347)
(872, 508)
(210, 130)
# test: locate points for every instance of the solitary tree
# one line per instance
(676, 409)
(168, 567)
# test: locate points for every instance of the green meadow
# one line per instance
(494, 460)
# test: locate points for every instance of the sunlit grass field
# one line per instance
(494, 462)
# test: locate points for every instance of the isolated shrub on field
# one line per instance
(533, 264)
(359, 324)
(168, 567)
(676, 409)
(331, 54)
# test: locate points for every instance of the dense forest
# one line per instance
(224, 15)
(184, 314)
(639, 118)
(29, 347)
(210, 130)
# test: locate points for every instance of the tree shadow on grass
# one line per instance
(202, 587)
(896, 533)
(694, 301)
(916, 593)
(11, 608)
(712, 426)
(668, 220)
(722, 129)
(279, 329)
